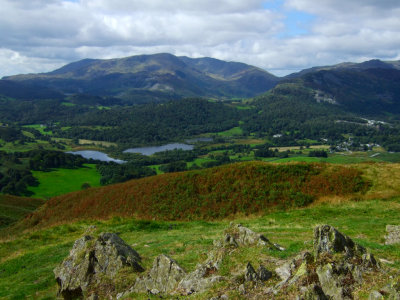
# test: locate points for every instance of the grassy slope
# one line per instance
(61, 181)
(242, 188)
(14, 208)
(27, 261)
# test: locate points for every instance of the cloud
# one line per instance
(279, 35)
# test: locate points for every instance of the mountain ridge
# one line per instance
(172, 75)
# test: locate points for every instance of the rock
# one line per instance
(92, 259)
(240, 236)
(312, 292)
(250, 274)
(286, 270)
(199, 280)
(375, 295)
(393, 234)
(242, 289)
(328, 240)
(336, 281)
(163, 277)
(263, 273)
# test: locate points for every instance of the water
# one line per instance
(154, 149)
(96, 155)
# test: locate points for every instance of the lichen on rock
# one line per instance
(91, 261)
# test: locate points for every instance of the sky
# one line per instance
(280, 36)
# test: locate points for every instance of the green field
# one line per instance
(40, 128)
(231, 132)
(62, 181)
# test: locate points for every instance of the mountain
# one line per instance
(158, 76)
(371, 64)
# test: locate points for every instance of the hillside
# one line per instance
(37, 251)
(13, 208)
(158, 76)
(226, 191)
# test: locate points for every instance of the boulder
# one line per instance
(329, 240)
(90, 260)
(163, 277)
(240, 236)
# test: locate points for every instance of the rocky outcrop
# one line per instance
(91, 260)
(334, 270)
(163, 277)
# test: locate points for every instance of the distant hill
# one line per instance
(158, 76)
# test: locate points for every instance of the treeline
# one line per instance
(113, 173)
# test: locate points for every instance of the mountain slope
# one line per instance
(158, 75)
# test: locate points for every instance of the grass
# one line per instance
(27, 260)
(40, 128)
(13, 208)
(61, 181)
(231, 132)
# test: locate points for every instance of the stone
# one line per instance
(312, 292)
(329, 240)
(286, 270)
(393, 234)
(336, 281)
(240, 236)
(92, 259)
(250, 273)
(375, 295)
(163, 277)
(199, 280)
(263, 273)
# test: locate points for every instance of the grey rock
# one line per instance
(242, 289)
(91, 259)
(263, 273)
(250, 273)
(312, 292)
(240, 236)
(375, 295)
(199, 280)
(286, 270)
(393, 234)
(163, 277)
(329, 240)
(331, 278)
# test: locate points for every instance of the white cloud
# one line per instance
(42, 34)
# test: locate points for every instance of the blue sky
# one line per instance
(281, 36)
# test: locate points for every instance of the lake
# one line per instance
(153, 149)
(90, 154)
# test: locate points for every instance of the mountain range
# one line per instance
(158, 76)
(369, 88)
